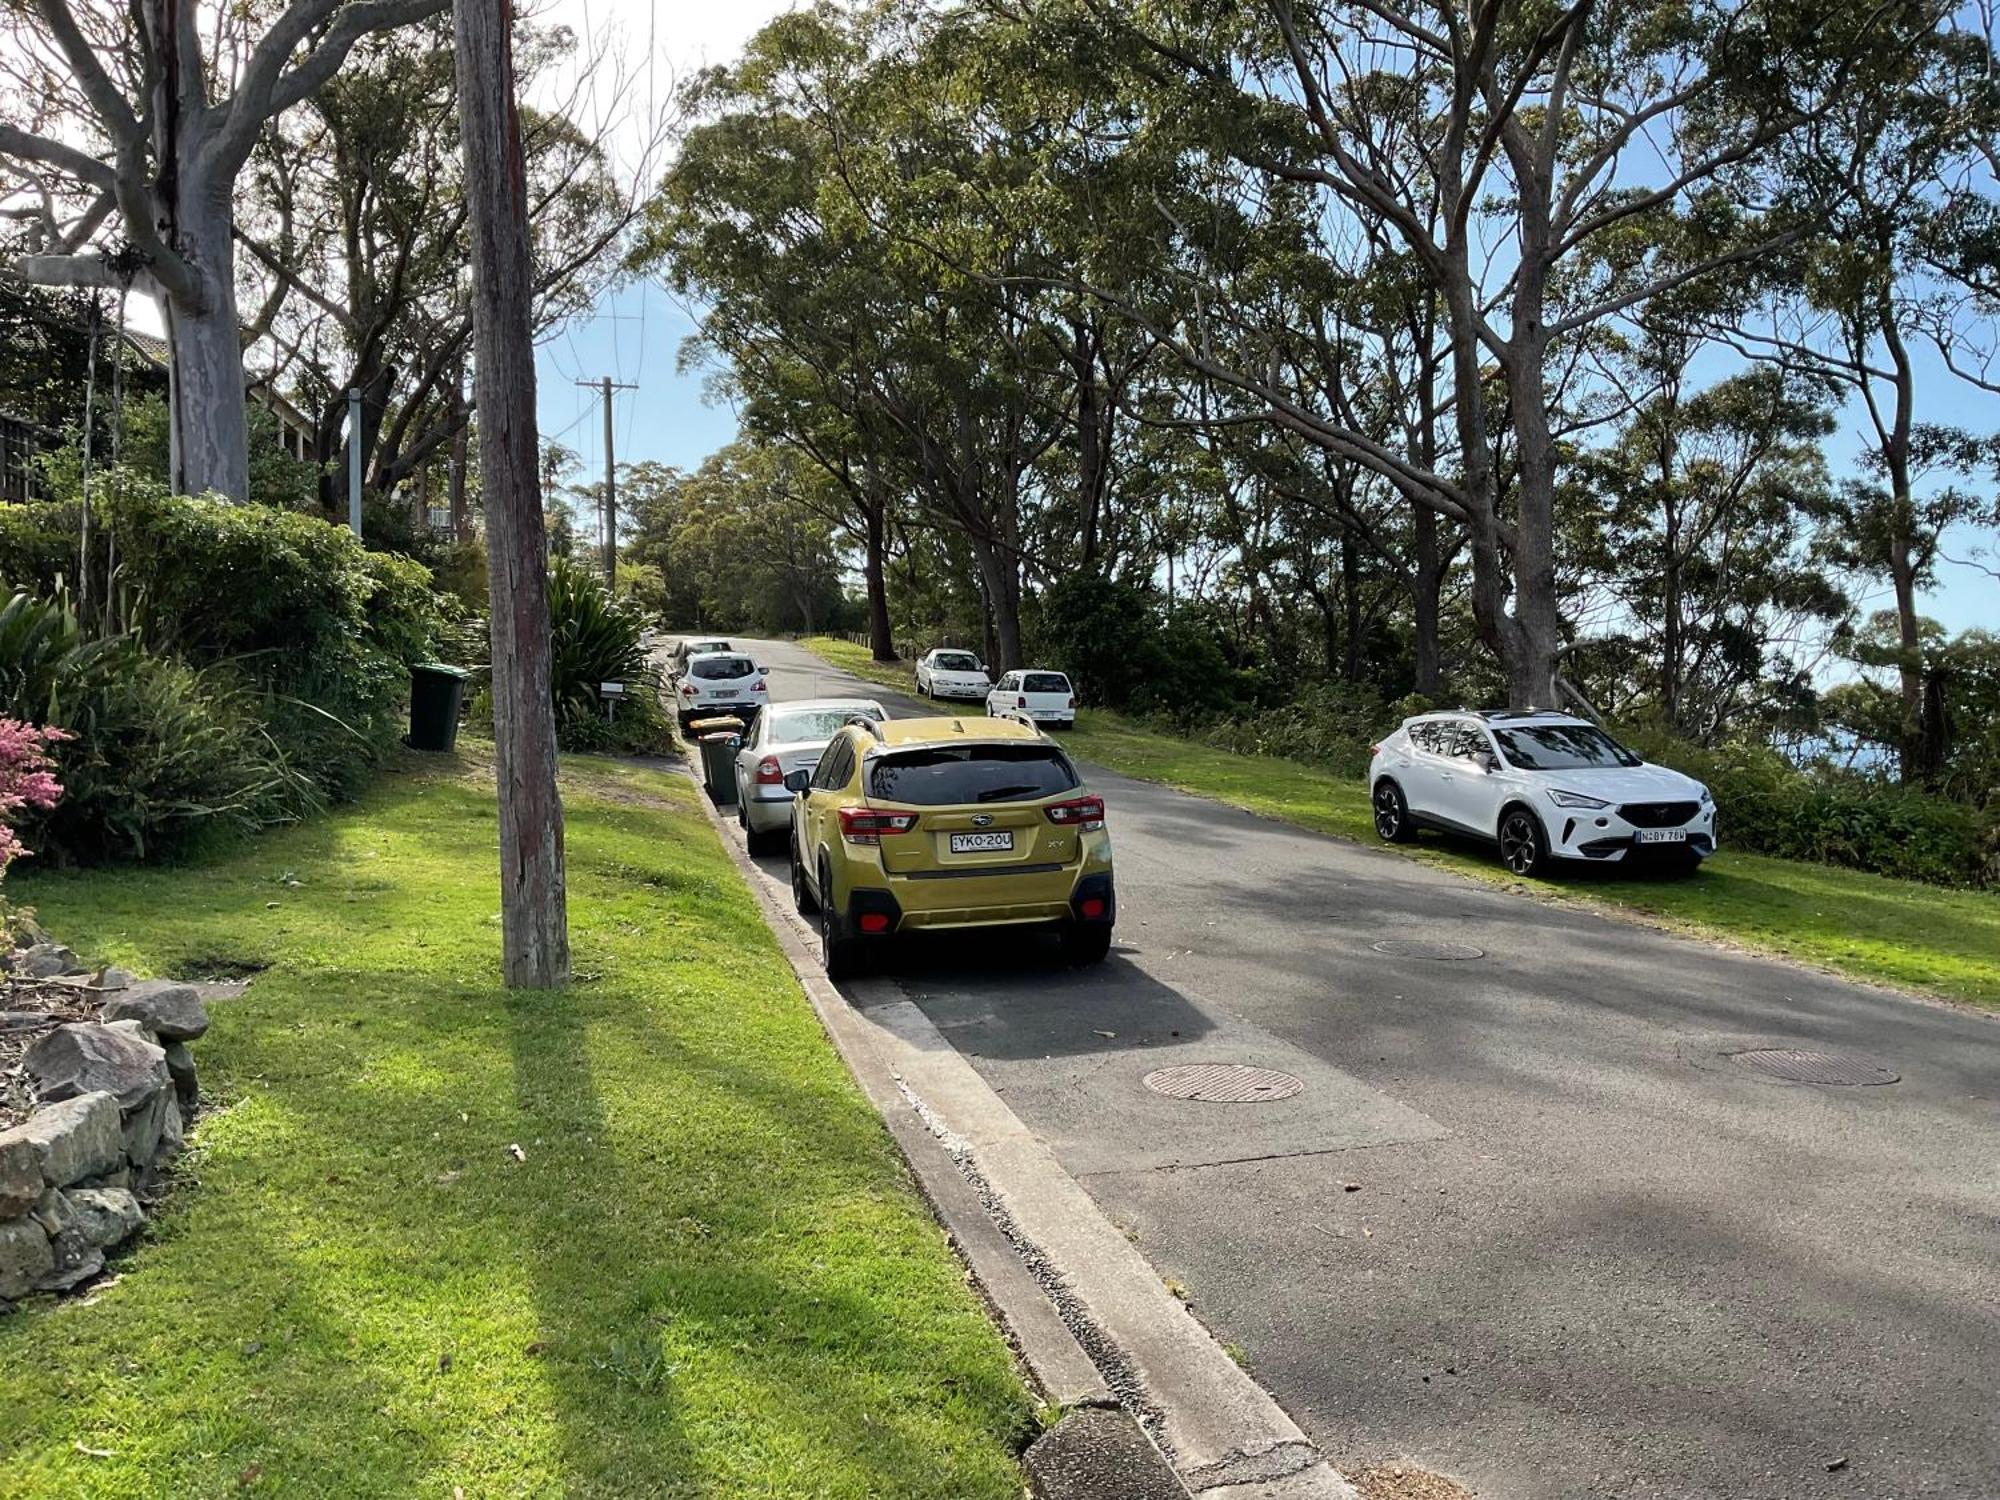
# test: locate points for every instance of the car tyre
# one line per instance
(803, 901)
(840, 954)
(1085, 944)
(1392, 813)
(1524, 848)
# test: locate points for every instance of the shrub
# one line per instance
(1109, 637)
(154, 753)
(27, 781)
(1329, 724)
(595, 638)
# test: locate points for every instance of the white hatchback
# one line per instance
(1038, 697)
(787, 737)
(950, 673)
(718, 683)
(1542, 786)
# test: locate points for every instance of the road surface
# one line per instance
(1530, 1220)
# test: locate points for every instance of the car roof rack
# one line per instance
(1494, 715)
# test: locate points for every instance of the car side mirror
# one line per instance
(763, 671)
(797, 781)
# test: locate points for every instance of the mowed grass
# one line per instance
(710, 1275)
(1898, 932)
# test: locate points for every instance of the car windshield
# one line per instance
(720, 668)
(957, 661)
(813, 725)
(941, 775)
(1045, 682)
(1562, 747)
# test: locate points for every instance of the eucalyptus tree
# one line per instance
(129, 126)
(1547, 169)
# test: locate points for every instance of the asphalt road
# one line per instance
(1529, 1221)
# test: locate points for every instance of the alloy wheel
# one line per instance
(1520, 843)
(1388, 812)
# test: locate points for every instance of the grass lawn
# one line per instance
(709, 1277)
(1898, 932)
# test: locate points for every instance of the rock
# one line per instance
(180, 1067)
(28, 932)
(104, 1216)
(146, 1126)
(173, 1132)
(20, 1175)
(120, 1177)
(76, 1259)
(116, 979)
(172, 1012)
(22, 1020)
(25, 1257)
(47, 960)
(85, 1057)
(52, 1212)
(73, 1139)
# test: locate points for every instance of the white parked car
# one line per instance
(950, 673)
(1543, 787)
(693, 645)
(787, 737)
(1036, 696)
(720, 682)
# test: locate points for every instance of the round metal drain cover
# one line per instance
(1426, 948)
(1223, 1083)
(1816, 1067)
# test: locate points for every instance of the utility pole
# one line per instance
(608, 511)
(534, 900)
(354, 461)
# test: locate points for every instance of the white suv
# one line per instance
(950, 673)
(1035, 698)
(1543, 786)
(718, 683)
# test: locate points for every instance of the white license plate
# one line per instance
(1663, 835)
(981, 843)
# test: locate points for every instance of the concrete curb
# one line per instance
(1092, 1320)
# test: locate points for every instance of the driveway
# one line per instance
(1529, 1220)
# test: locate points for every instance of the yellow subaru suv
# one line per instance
(927, 824)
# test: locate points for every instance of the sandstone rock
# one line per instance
(73, 1138)
(146, 1125)
(25, 1257)
(75, 1259)
(52, 1212)
(28, 932)
(47, 960)
(180, 1067)
(20, 1175)
(117, 979)
(172, 1012)
(173, 1131)
(84, 1057)
(104, 1216)
(22, 1020)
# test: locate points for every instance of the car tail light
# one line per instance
(864, 825)
(1072, 700)
(1374, 749)
(687, 690)
(1020, 703)
(1086, 813)
(769, 772)
(874, 921)
(757, 686)
(1090, 908)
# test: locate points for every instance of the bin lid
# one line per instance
(704, 726)
(441, 669)
(729, 738)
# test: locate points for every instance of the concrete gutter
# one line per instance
(1093, 1323)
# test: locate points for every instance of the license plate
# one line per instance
(1663, 835)
(981, 843)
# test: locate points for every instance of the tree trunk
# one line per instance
(1350, 602)
(1001, 576)
(534, 918)
(881, 637)
(208, 424)
(1429, 583)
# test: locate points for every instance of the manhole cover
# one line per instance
(1222, 1083)
(1816, 1067)
(1426, 948)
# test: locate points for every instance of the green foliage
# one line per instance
(1330, 724)
(1108, 635)
(595, 638)
(160, 754)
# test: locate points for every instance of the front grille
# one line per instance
(1657, 814)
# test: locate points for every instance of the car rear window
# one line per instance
(957, 661)
(809, 725)
(721, 668)
(941, 775)
(1562, 747)
(1045, 682)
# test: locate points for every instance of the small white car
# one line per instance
(787, 737)
(693, 645)
(1035, 696)
(1541, 786)
(720, 682)
(950, 673)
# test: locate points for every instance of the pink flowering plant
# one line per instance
(27, 780)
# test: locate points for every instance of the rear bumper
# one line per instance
(767, 814)
(917, 905)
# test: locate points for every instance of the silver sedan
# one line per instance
(787, 737)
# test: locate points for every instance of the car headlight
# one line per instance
(1576, 799)
(1707, 798)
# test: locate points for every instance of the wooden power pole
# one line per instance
(534, 914)
(608, 512)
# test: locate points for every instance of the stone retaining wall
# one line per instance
(115, 1095)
